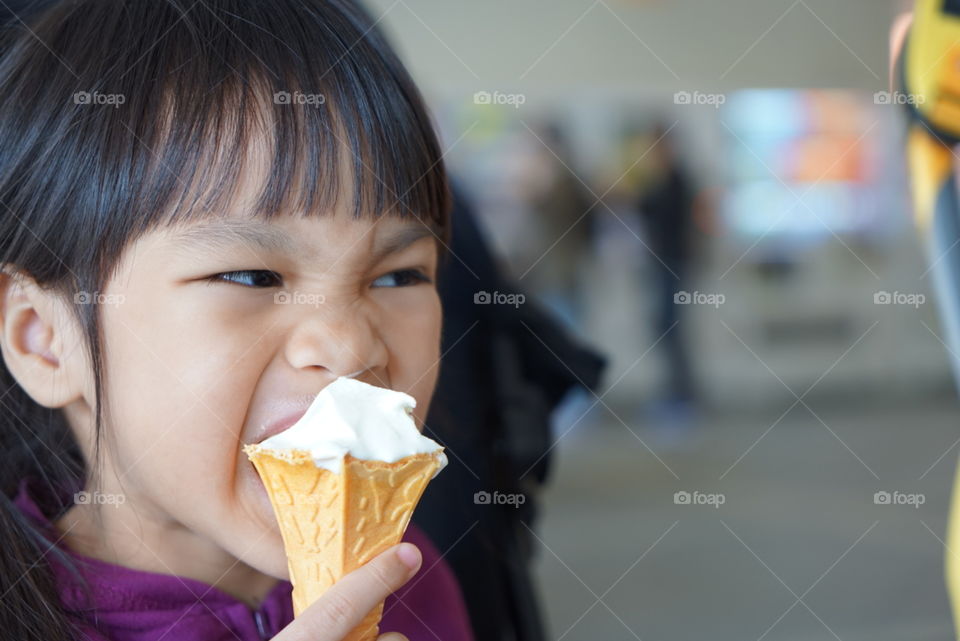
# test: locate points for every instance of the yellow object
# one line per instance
(932, 64)
(952, 551)
(332, 523)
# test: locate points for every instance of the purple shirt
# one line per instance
(135, 605)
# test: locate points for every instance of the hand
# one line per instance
(344, 605)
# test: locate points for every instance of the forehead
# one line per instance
(316, 237)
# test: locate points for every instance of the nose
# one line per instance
(347, 344)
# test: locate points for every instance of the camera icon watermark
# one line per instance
(499, 98)
(898, 98)
(715, 100)
(699, 498)
(499, 498)
(899, 498)
(298, 98)
(299, 298)
(98, 498)
(96, 298)
(899, 298)
(699, 298)
(96, 98)
(498, 298)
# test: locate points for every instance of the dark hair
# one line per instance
(118, 117)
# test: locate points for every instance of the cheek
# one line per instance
(177, 391)
(413, 340)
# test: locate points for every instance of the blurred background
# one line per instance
(712, 196)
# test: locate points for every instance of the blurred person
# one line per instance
(665, 206)
(563, 208)
(924, 67)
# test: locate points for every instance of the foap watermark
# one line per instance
(498, 298)
(699, 498)
(299, 298)
(699, 298)
(99, 498)
(96, 98)
(499, 98)
(97, 298)
(898, 98)
(899, 298)
(298, 98)
(715, 100)
(899, 498)
(499, 498)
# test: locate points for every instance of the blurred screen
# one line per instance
(800, 165)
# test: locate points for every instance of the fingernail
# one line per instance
(410, 556)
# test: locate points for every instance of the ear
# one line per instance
(35, 325)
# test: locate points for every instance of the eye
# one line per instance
(402, 278)
(249, 278)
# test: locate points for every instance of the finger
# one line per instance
(345, 604)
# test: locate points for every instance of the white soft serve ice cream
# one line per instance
(365, 421)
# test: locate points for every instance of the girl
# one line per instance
(210, 210)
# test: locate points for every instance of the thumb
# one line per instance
(343, 606)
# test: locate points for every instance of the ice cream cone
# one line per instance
(334, 522)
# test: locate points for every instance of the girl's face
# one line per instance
(221, 333)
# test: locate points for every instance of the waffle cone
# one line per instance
(332, 523)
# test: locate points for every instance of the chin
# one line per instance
(267, 558)
(260, 545)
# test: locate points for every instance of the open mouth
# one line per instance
(278, 425)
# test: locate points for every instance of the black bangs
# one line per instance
(120, 116)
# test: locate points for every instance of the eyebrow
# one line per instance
(401, 239)
(224, 234)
